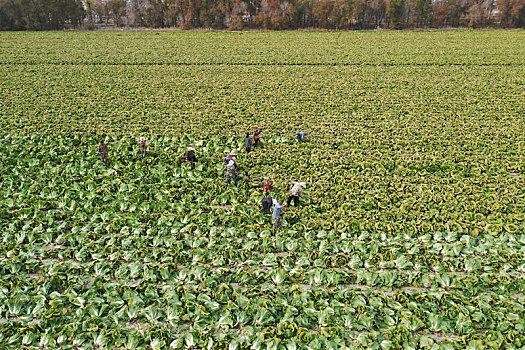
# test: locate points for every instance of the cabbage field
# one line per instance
(410, 235)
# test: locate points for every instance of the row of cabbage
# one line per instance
(256, 48)
(462, 110)
(156, 253)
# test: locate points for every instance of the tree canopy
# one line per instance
(263, 14)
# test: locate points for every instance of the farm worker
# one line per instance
(103, 152)
(142, 145)
(267, 204)
(230, 173)
(190, 155)
(296, 192)
(300, 135)
(229, 157)
(277, 212)
(256, 137)
(248, 143)
(267, 185)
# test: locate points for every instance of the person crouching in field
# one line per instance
(229, 157)
(103, 152)
(301, 135)
(142, 144)
(296, 192)
(267, 204)
(230, 173)
(190, 155)
(277, 212)
(267, 185)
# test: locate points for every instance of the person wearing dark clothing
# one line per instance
(103, 152)
(190, 155)
(256, 137)
(248, 143)
(295, 200)
(267, 204)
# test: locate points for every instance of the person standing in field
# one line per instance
(248, 143)
(230, 173)
(142, 145)
(277, 212)
(296, 192)
(103, 152)
(256, 137)
(301, 135)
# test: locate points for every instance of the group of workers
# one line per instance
(230, 162)
(295, 193)
(230, 175)
(231, 170)
(249, 141)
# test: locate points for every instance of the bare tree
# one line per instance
(511, 13)
(117, 9)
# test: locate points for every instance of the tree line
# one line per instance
(261, 14)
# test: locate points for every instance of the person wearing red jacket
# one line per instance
(256, 137)
(267, 185)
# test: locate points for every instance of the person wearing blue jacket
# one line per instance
(301, 135)
(277, 212)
